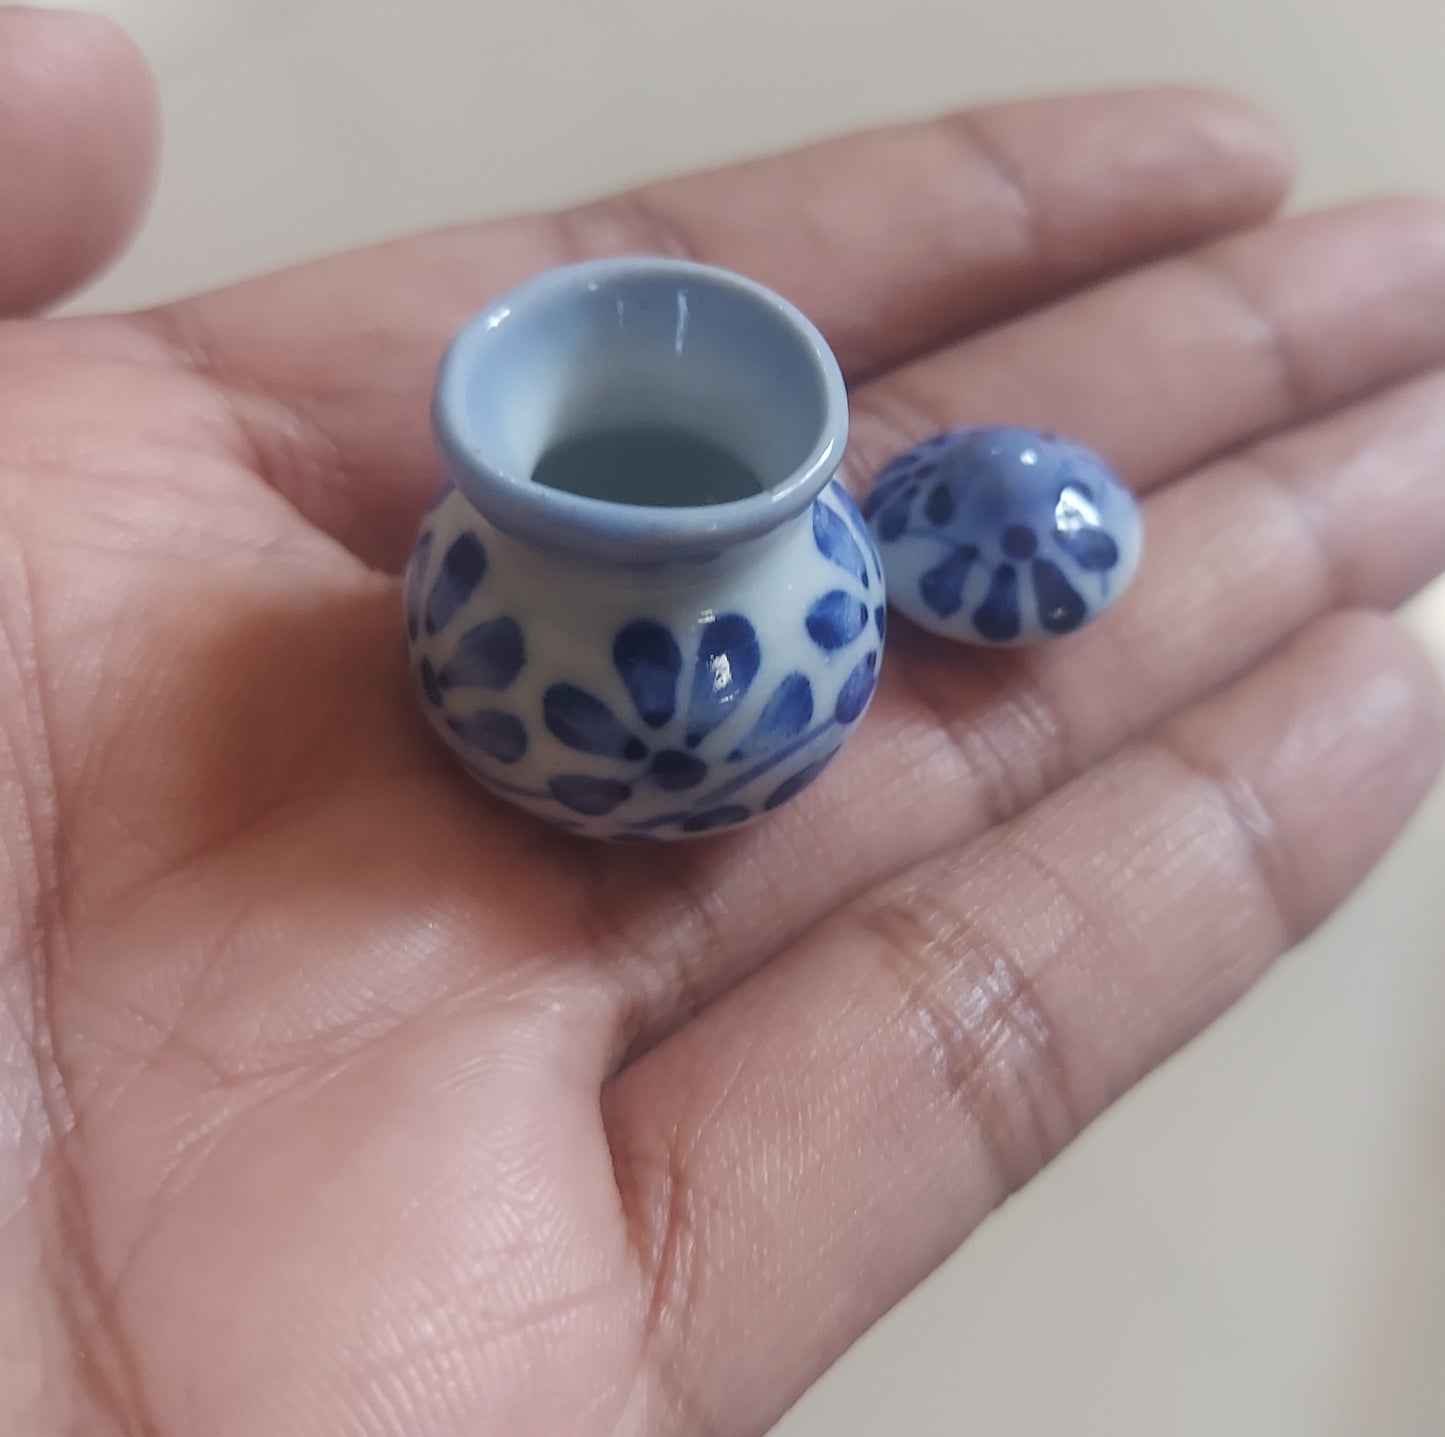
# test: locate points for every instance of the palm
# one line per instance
(340, 1099)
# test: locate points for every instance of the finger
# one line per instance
(77, 141)
(965, 1021)
(895, 239)
(892, 240)
(1347, 511)
(1163, 369)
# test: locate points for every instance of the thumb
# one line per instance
(77, 146)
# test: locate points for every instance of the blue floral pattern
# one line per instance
(1002, 535)
(686, 720)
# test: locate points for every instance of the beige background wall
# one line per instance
(1254, 1243)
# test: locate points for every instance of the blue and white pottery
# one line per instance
(643, 670)
(1003, 536)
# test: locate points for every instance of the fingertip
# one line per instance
(1223, 164)
(1337, 742)
(1386, 726)
(1414, 223)
(54, 43)
(1398, 694)
(77, 149)
(1241, 151)
(1240, 128)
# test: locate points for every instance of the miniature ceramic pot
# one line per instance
(1004, 536)
(642, 607)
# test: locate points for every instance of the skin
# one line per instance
(336, 1098)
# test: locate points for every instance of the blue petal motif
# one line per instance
(1061, 606)
(462, 569)
(792, 787)
(488, 656)
(673, 770)
(415, 579)
(648, 659)
(879, 495)
(836, 543)
(997, 618)
(880, 618)
(836, 620)
(583, 722)
(1079, 532)
(595, 797)
(716, 818)
(852, 515)
(728, 656)
(941, 587)
(858, 689)
(1019, 541)
(894, 519)
(939, 507)
(785, 715)
(430, 687)
(1091, 549)
(502, 736)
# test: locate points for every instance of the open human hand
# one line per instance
(337, 1100)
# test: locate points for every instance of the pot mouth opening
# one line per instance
(640, 408)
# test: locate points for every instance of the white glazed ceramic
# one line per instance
(628, 671)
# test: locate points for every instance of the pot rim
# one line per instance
(529, 511)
